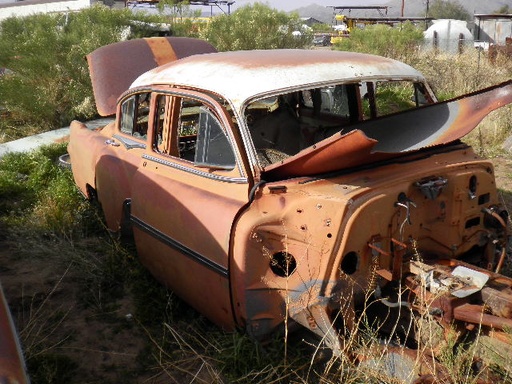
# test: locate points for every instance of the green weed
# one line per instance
(50, 85)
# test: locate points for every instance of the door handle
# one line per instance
(112, 142)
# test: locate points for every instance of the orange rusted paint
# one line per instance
(258, 187)
(162, 51)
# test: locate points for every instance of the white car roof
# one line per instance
(240, 75)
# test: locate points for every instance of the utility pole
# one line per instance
(426, 14)
(402, 10)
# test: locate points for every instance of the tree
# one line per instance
(256, 27)
(445, 9)
(184, 21)
(506, 9)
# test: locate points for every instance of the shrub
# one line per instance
(49, 85)
(256, 27)
(383, 40)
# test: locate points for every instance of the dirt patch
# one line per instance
(67, 337)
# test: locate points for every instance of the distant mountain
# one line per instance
(318, 12)
(412, 8)
(418, 7)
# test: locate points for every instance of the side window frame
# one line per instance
(134, 115)
(167, 144)
(213, 149)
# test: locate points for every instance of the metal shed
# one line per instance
(492, 28)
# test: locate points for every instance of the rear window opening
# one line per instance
(283, 125)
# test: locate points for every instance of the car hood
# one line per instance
(394, 135)
(111, 75)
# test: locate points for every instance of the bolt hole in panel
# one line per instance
(283, 264)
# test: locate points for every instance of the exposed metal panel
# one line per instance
(339, 151)
(114, 67)
(493, 29)
(439, 123)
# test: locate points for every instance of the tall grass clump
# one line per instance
(36, 193)
(50, 230)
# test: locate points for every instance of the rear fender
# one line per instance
(83, 148)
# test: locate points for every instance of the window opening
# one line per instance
(135, 115)
(198, 135)
(283, 125)
(386, 97)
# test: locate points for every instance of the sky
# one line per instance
(289, 5)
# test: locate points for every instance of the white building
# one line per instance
(30, 7)
(448, 35)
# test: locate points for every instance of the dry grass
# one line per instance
(455, 75)
(182, 347)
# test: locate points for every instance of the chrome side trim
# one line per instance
(128, 143)
(237, 180)
(191, 254)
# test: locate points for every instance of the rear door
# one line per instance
(186, 195)
(120, 155)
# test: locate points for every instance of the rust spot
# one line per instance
(162, 50)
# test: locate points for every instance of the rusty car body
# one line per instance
(12, 362)
(291, 184)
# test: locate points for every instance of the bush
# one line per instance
(256, 27)
(49, 85)
(383, 40)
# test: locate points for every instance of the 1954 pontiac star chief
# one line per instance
(297, 184)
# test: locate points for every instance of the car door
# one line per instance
(120, 157)
(185, 197)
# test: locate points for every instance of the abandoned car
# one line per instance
(297, 185)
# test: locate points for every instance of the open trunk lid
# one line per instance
(114, 67)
